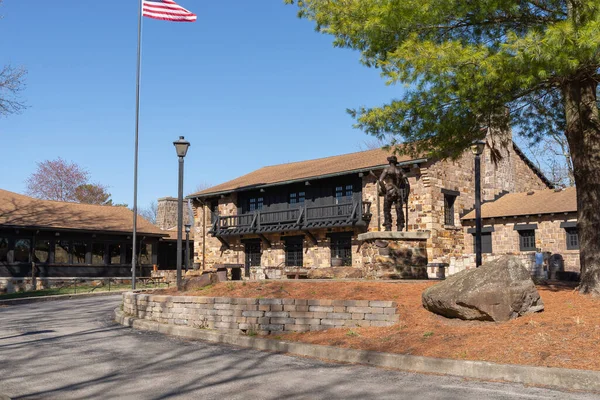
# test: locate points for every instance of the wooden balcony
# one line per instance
(300, 218)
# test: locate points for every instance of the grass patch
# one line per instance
(76, 290)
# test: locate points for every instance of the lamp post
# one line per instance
(477, 149)
(181, 146)
(187, 246)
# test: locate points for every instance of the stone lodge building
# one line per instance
(518, 223)
(308, 214)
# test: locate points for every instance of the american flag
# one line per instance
(166, 10)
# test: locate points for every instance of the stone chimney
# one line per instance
(166, 214)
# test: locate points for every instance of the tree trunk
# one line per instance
(583, 134)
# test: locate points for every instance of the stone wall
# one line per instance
(315, 255)
(525, 178)
(394, 255)
(506, 169)
(262, 316)
(456, 175)
(166, 213)
(549, 237)
(426, 201)
(208, 250)
(497, 173)
(509, 173)
(167, 275)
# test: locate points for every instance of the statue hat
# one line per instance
(392, 159)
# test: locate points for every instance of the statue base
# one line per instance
(394, 255)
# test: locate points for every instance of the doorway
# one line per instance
(252, 250)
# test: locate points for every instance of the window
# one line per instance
(293, 252)
(41, 251)
(3, 249)
(572, 239)
(22, 247)
(252, 250)
(341, 248)
(338, 193)
(297, 198)
(449, 209)
(527, 239)
(61, 252)
(486, 243)
(114, 252)
(348, 191)
(79, 249)
(98, 253)
(343, 193)
(255, 203)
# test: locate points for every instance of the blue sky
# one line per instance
(249, 84)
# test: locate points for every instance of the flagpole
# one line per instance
(135, 157)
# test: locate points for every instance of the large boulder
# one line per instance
(198, 282)
(497, 291)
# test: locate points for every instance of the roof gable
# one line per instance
(305, 170)
(23, 211)
(323, 168)
(547, 201)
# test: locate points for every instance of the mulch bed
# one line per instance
(565, 335)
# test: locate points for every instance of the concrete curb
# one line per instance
(40, 299)
(559, 378)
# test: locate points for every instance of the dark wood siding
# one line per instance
(40, 248)
(317, 193)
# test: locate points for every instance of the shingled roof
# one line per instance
(17, 210)
(305, 170)
(549, 201)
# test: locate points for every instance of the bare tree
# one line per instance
(376, 143)
(553, 157)
(56, 180)
(201, 186)
(12, 81)
(150, 213)
(65, 181)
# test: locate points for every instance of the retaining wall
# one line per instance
(261, 316)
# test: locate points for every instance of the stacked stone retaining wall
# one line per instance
(261, 316)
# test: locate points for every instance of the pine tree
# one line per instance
(470, 65)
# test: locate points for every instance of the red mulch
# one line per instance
(566, 334)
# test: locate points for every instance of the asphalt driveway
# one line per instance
(73, 349)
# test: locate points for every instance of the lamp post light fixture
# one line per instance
(187, 246)
(181, 146)
(477, 148)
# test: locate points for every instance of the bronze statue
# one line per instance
(394, 186)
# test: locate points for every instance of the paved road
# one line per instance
(72, 349)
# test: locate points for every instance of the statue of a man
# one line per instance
(394, 186)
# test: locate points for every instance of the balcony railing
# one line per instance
(306, 217)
